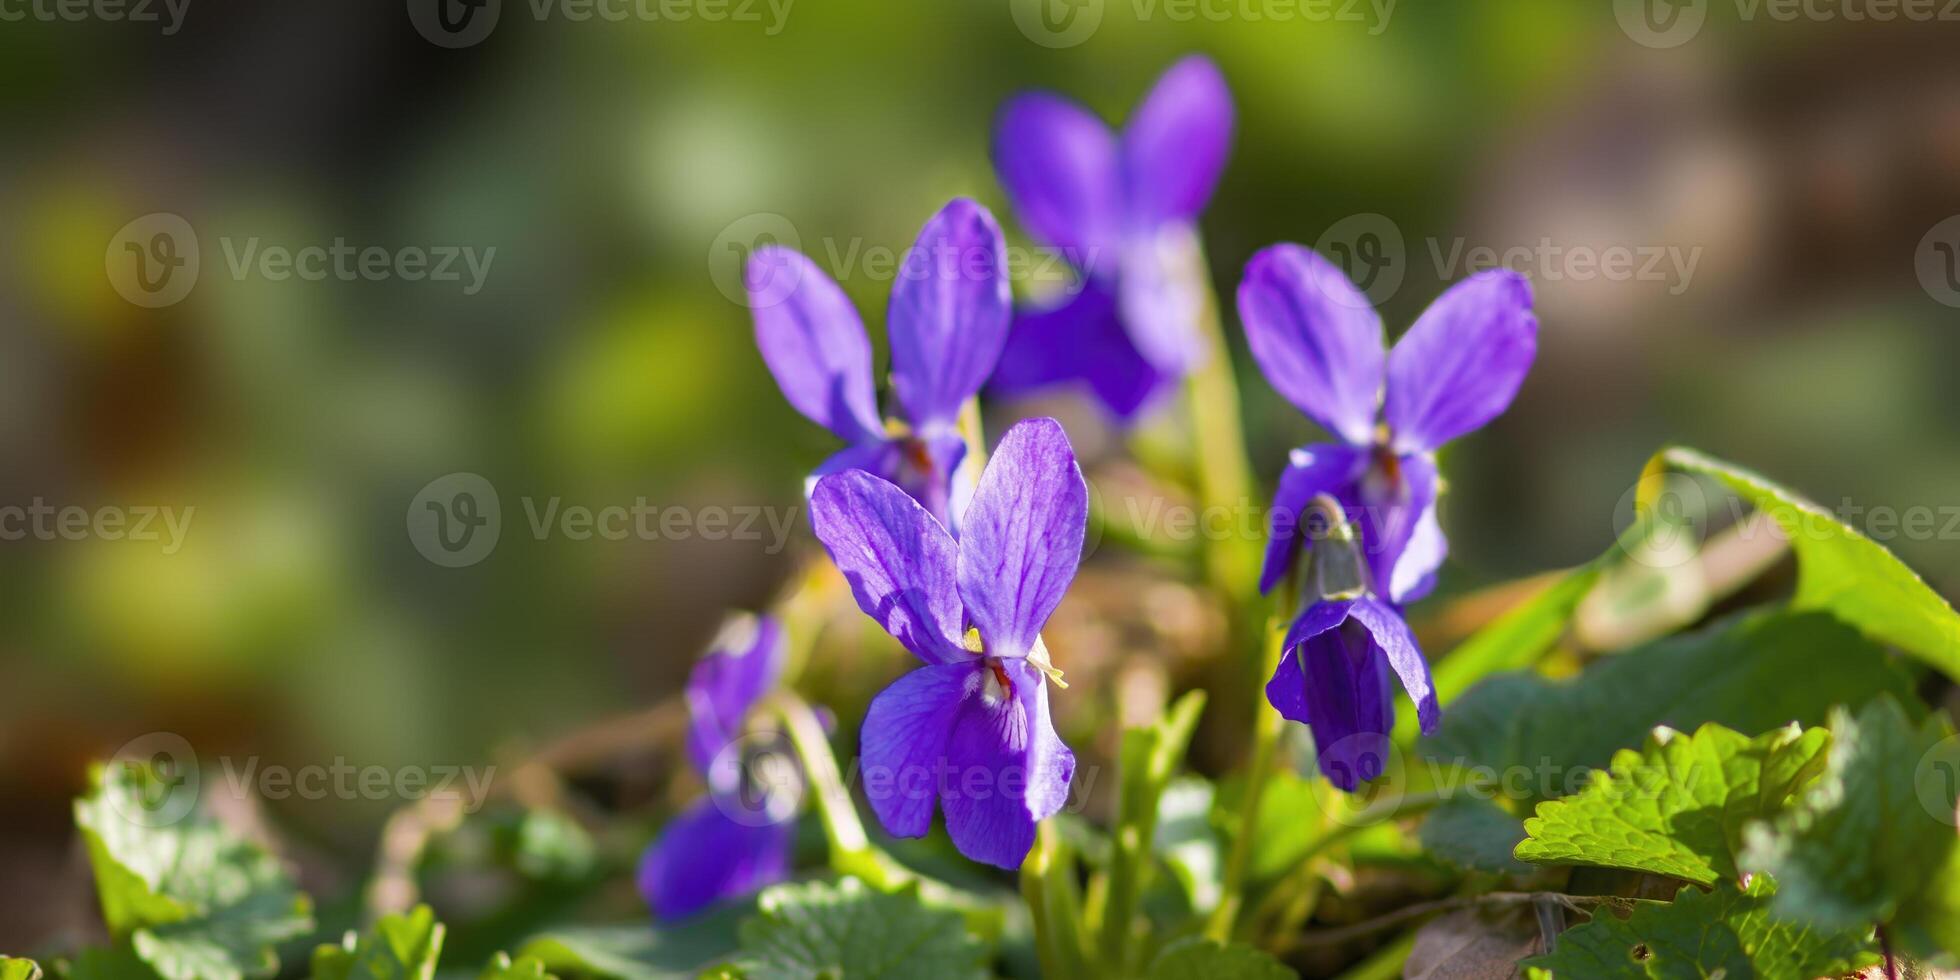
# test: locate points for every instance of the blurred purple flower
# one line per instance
(947, 321)
(971, 728)
(1334, 679)
(1319, 343)
(720, 848)
(1125, 210)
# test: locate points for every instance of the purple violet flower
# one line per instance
(1125, 210)
(1319, 343)
(1334, 680)
(970, 729)
(722, 847)
(947, 321)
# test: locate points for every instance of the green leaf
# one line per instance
(1751, 672)
(501, 968)
(848, 930)
(1678, 807)
(1288, 824)
(14, 968)
(397, 947)
(1475, 834)
(193, 899)
(1197, 958)
(1839, 569)
(1723, 933)
(1861, 841)
(639, 952)
(1186, 842)
(1148, 758)
(1517, 638)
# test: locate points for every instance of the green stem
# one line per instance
(1266, 727)
(1224, 475)
(1054, 905)
(850, 849)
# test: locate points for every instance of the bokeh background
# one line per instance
(616, 167)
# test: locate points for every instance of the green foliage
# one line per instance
(193, 900)
(1475, 834)
(501, 968)
(1722, 933)
(1751, 673)
(1195, 958)
(1679, 806)
(1839, 570)
(1514, 640)
(1186, 843)
(397, 947)
(638, 951)
(1861, 842)
(14, 968)
(818, 929)
(1150, 756)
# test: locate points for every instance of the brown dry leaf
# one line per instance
(1469, 945)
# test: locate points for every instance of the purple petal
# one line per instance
(812, 340)
(1175, 144)
(1336, 681)
(1022, 536)
(1415, 571)
(903, 743)
(927, 468)
(743, 665)
(1060, 167)
(1461, 364)
(949, 313)
(1008, 769)
(1388, 504)
(1392, 635)
(1315, 337)
(702, 857)
(1162, 293)
(900, 562)
(1080, 341)
(1328, 468)
(1287, 690)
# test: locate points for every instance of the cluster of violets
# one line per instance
(964, 564)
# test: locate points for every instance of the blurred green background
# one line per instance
(1804, 163)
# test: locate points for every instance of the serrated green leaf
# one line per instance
(397, 947)
(1723, 933)
(1842, 571)
(502, 968)
(1751, 672)
(638, 951)
(1197, 958)
(194, 900)
(1677, 807)
(14, 968)
(821, 930)
(1475, 834)
(1861, 841)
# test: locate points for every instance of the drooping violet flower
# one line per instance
(1338, 654)
(725, 845)
(970, 729)
(1319, 343)
(947, 321)
(1125, 210)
